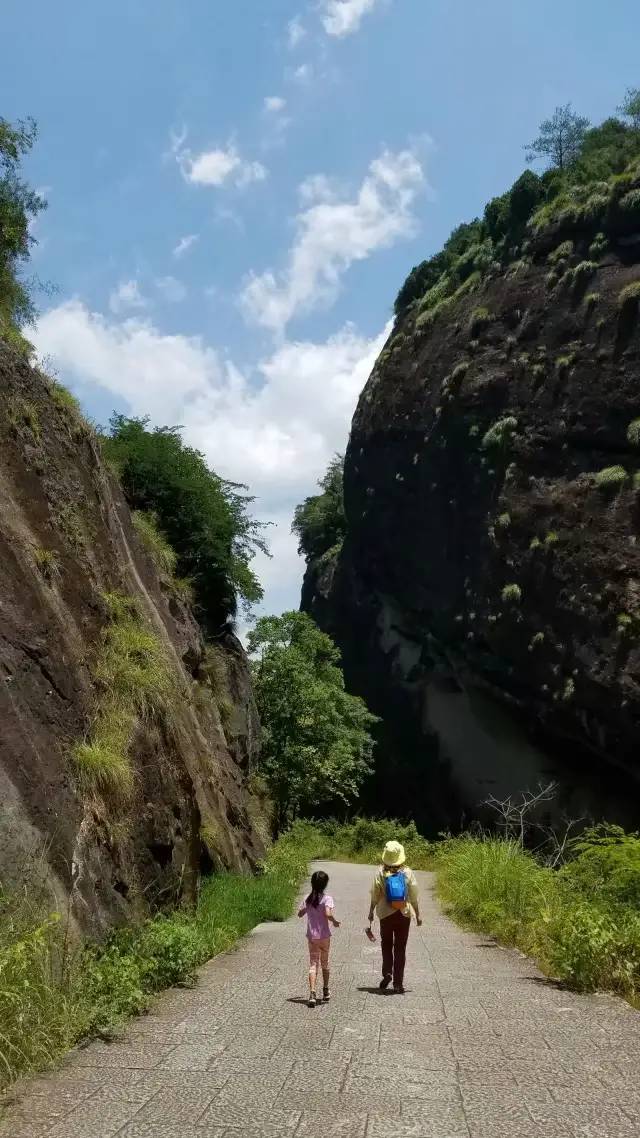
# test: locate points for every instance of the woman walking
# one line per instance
(394, 897)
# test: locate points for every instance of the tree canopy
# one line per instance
(19, 204)
(316, 740)
(560, 138)
(203, 517)
(320, 521)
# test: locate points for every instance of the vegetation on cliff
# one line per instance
(19, 205)
(320, 522)
(591, 187)
(203, 518)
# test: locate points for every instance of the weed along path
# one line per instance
(480, 1045)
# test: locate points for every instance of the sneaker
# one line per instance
(326, 995)
(312, 1000)
(384, 983)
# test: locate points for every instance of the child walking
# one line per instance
(318, 909)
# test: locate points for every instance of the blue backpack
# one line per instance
(396, 890)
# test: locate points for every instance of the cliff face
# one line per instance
(67, 542)
(487, 597)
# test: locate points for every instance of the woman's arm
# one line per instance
(414, 897)
(375, 897)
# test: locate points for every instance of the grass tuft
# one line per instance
(148, 529)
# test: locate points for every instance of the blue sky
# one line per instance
(236, 192)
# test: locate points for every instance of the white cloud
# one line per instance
(217, 166)
(184, 244)
(126, 295)
(295, 32)
(303, 73)
(275, 429)
(274, 104)
(342, 17)
(172, 289)
(332, 234)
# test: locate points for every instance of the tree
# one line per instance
(630, 106)
(560, 138)
(203, 517)
(19, 204)
(320, 521)
(316, 743)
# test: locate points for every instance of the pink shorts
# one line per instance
(319, 952)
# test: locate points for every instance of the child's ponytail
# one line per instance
(319, 882)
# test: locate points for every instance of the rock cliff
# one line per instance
(487, 594)
(68, 546)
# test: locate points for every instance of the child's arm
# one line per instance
(330, 917)
(302, 910)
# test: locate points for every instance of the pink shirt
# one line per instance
(318, 927)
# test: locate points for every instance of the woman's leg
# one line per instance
(402, 925)
(386, 940)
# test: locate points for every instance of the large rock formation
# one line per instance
(66, 540)
(487, 596)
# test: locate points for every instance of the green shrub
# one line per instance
(591, 300)
(611, 478)
(562, 252)
(605, 861)
(500, 434)
(512, 594)
(552, 538)
(503, 521)
(536, 640)
(598, 246)
(363, 840)
(48, 563)
(154, 541)
(633, 433)
(480, 318)
(134, 681)
(629, 296)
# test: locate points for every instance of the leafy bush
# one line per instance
(611, 478)
(203, 517)
(605, 861)
(598, 246)
(633, 433)
(320, 521)
(363, 840)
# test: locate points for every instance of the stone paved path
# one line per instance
(479, 1046)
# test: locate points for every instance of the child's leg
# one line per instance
(325, 945)
(314, 961)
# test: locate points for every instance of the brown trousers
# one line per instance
(394, 933)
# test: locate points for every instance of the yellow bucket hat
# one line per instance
(393, 854)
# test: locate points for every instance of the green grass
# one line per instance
(611, 478)
(48, 563)
(21, 413)
(578, 923)
(148, 530)
(135, 682)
